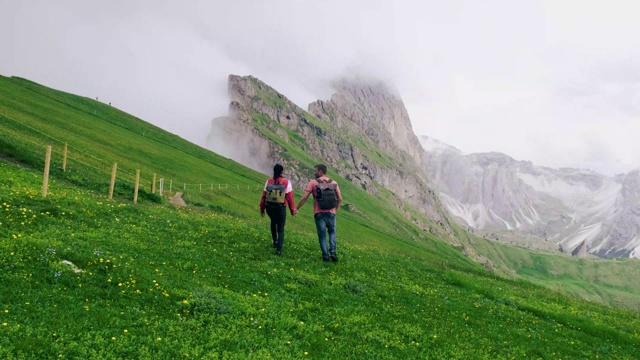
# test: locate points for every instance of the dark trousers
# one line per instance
(278, 216)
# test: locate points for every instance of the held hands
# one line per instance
(295, 212)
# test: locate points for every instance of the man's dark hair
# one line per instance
(277, 171)
(322, 167)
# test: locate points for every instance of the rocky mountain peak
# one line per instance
(373, 108)
(240, 87)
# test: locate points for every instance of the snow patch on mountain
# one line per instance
(554, 186)
(585, 233)
(474, 215)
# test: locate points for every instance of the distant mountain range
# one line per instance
(580, 210)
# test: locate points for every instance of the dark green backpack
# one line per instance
(326, 195)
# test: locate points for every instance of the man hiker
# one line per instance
(277, 194)
(326, 201)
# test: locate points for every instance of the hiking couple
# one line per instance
(278, 194)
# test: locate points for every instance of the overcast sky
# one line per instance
(556, 82)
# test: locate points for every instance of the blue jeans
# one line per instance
(326, 222)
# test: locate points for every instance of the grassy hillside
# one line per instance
(608, 281)
(98, 135)
(155, 281)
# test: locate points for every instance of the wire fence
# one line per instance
(29, 145)
(175, 186)
(36, 141)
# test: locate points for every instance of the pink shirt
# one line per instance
(311, 187)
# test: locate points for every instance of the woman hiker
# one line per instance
(276, 196)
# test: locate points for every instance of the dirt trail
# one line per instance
(177, 200)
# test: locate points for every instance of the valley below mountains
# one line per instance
(364, 134)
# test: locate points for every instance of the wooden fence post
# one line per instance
(135, 191)
(153, 184)
(64, 158)
(47, 163)
(170, 185)
(113, 180)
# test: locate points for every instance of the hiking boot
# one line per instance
(334, 257)
(325, 259)
(278, 253)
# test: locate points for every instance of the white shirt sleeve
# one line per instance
(289, 187)
(265, 185)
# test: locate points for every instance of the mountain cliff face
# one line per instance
(375, 111)
(373, 114)
(622, 233)
(580, 210)
(363, 134)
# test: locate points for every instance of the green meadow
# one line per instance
(87, 277)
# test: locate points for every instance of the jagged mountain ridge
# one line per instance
(580, 210)
(356, 134)
(374, 110)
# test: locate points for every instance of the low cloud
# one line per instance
(544, 81)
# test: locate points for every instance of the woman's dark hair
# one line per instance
(277, 171)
